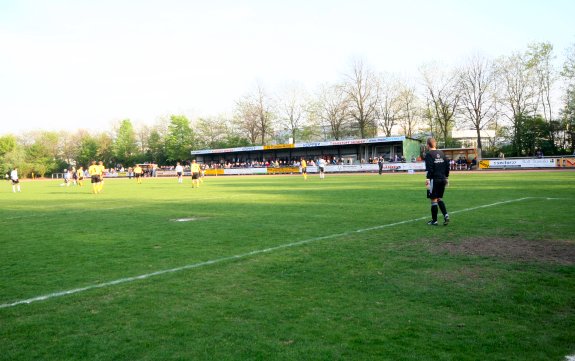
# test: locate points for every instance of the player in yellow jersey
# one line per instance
(138, 172)
(95, 171)
(102, 172)
(80, 176)
(304, 168)
(195, 174)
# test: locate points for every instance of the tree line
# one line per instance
(524, 97)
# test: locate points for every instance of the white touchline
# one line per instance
(243, 255)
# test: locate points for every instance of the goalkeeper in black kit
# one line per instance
(437, 167)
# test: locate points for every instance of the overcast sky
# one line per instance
(71, 64)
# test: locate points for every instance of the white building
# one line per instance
(468, 137)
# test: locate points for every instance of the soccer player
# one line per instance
(15, 180)
(321, 166)
(180, 172)
(195, 174)
(303, 164)
(437, 167)
(95, 172)
(74, 176)
(202, 172)
(138, 172)
(80, 176)
(102, 172)
(66, 178)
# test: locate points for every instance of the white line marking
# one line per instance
(239, 256)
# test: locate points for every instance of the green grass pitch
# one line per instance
(278, 268)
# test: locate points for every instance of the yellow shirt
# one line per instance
(95, 170)
(80, 173)
(303, 163)
(138, 170)
(102, 169)
(195, 168)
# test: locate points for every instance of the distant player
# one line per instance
(303, 164)
(66, 179)
(80, 176)
(74, 176)
(138, 173)
(437, 167)
(180, 172)
(321, 166)
(195, 174)
(15, 180)
(95, 172)
(102, 173)
(202, 172)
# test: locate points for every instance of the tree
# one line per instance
(125, 146)
(105, 149)
(7, 144)
(539, 58)
(246, 119)
(568, 121)
(517, 93)
(361, 87)
(478, 102)
(180, 139)
(7, 147)
(389, 104)
(443, 94)
(211, 132)
(263, 112)
(332, 110)
(142, 133)
(409, 110)
(67, 147)
(156, 147)
(42, 155)
(87, 151)
(254, 115)
(292, 110)
(535, 135)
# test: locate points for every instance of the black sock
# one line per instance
(434, 212)
(442, 207)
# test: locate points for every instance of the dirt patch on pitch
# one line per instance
(514, 249)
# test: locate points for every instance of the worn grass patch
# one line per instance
(514, 249)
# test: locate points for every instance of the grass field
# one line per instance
(278, 268)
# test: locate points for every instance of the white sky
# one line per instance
(71, 64)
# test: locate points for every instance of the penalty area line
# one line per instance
(235, 257)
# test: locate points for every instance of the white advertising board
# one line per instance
(522, 163)
(244, 171)
(387, 167)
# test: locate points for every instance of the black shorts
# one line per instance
(321, 169)
(137, 175)
(15, 181)
(179, 174)
(95, 179)
(304, 170)
(437, 188)
(195, 175)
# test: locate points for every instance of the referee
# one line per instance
(437, 167)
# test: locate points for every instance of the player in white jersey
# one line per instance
(15, 180)
(180, 172)
(321, 166)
